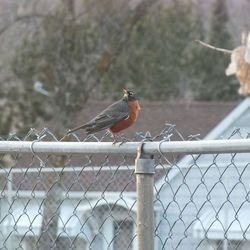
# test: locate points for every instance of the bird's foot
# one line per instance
(119, 139)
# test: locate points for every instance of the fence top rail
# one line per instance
(187, 147)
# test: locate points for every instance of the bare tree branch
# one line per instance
(225, 51)
(24, 18)
(139, 13)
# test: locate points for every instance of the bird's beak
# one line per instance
(125, 92)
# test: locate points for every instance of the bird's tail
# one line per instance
(77, 128)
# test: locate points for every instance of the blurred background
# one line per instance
(58, 56)
(63, 61)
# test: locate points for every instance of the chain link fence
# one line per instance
(84, 195)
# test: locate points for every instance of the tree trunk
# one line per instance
(51, 213)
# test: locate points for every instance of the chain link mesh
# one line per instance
(203, 201)
(89, 202)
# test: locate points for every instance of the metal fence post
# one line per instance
(144, 170)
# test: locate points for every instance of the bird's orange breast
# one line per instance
(134, 112)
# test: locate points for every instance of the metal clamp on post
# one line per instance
(144, 163)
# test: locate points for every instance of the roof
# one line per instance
(215, 133)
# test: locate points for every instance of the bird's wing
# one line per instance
(111, 115)
(107, 118)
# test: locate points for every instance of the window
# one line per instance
(226, 245)
(123, 234)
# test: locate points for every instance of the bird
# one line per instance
(115, 118)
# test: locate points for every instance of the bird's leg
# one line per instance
(108, 133)
(115, 138)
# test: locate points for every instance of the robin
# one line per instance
(116, 117)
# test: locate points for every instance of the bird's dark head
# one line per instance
(130, 95)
